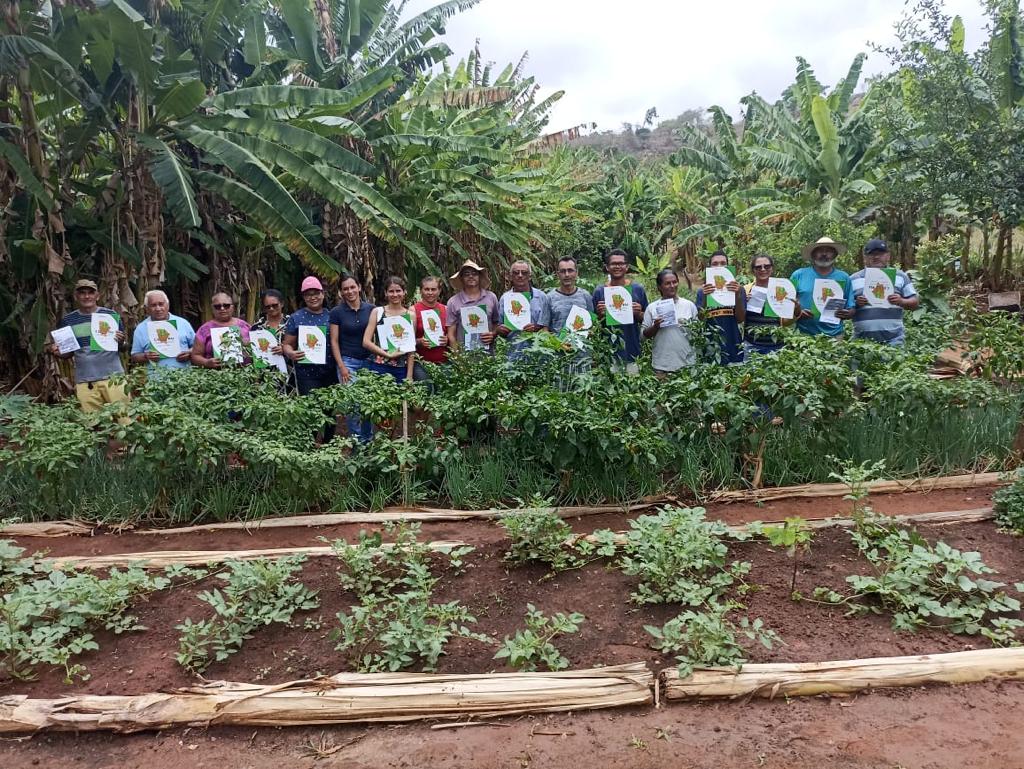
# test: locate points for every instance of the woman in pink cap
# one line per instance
(305, 343)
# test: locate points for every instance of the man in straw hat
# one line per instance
(472, 283)
(817, 284)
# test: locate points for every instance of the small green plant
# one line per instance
(857, 479)
(396, 623)
(257, 593)
(680, 557)
(1008, 503)
(795, 535)
(532, 647)
(47, 614)
(927, 586)
(708, 638)
(538, 533)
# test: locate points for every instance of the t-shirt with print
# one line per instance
(803, 280)
(322, 319)
(425, 352)
(625, 339)
(91, 365)
(487, 300)
(882, 324)
(351, 327)
(723, 321)
(141, 343)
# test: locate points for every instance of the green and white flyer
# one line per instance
(103, 331)
(618, 306)
(720, 277)
(879, 285)
(163, 337)
(313, 343)
(781, 299)
(515, 311)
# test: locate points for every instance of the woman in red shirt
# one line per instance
(430, 292)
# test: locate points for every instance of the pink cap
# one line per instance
(311, 283)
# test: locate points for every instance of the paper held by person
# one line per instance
(263, 341)
(312, 341)
(65, 340)
(618, 306)
(164, 338)
(103, 332)
(515, 311)
(720, 277)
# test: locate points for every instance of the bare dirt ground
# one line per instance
(970, 727)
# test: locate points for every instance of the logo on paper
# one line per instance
(264, 344)
(878, 290)
(312, 340)
(826, 293)
(104, 328)
(474, 321)
(719, 282)
(618, 302)
(780, 293)
(398, 330)
(517, 307)
(162, 335)
(432, 324)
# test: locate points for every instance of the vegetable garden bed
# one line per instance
(496, 593)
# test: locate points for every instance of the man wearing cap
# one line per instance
(807, 280)
(309, 376)
(472, 284)
(519, 273)
(158, 308)
(881, 324)
(625, 339)
(93, 368)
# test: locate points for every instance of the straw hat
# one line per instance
(456, 279)
(839, 248)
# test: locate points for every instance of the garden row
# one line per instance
(689, 591)
(222, 445)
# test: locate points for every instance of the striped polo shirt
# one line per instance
(882, 324)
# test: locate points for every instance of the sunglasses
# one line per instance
(762, 266)
(224, 306)
(271, 307)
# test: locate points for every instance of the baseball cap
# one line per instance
(311, 283)
(86, 283)
(874, 245)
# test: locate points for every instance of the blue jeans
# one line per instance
(357, 426)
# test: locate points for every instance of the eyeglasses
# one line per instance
(519, 272)
(616, 264)
(224, 306)
(762, 267)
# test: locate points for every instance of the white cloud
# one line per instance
(615, 60)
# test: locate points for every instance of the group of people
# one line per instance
(475, 316)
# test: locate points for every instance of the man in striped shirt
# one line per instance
(93, 368)
(881, 324)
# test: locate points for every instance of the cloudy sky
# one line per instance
(615, 60)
